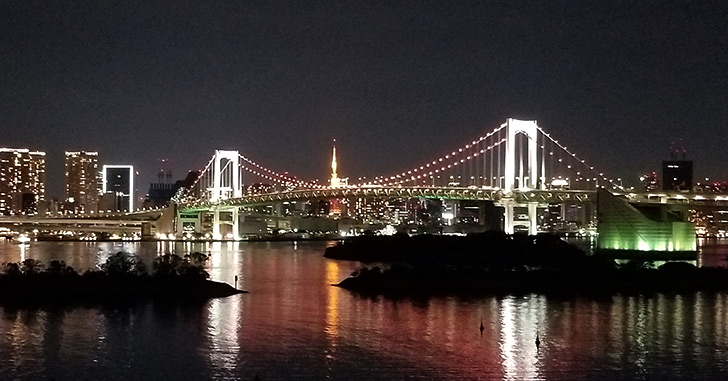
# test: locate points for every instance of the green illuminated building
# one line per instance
(650, 232)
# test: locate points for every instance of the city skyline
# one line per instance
(395, 84)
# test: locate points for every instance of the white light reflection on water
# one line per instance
(697, 330)
(519, 324)
(23, 250)
(223, 330)
(508, 337)
(638, 310)
(215, 260)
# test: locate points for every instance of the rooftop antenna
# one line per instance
(164, 172)
(677, 150)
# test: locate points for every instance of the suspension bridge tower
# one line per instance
(521, 169)
(226, 183)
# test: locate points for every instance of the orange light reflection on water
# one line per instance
(332, 276)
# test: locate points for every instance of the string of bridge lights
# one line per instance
(435, 167)
(280, 180)
(202, 173)
(418, 173)
(275, 176)
(255, 169)
(583, 162)
(278, 177)
(424, 175)
(422, 172)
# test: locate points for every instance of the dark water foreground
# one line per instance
(294, 325)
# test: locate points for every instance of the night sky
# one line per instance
(396, 83)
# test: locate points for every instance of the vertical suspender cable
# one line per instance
(519, 152)
(499, 161)
(543, 159)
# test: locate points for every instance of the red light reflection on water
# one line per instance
(293, 323)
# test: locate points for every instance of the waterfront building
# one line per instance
(650, 181)
(50, 207)
(22, 180)
(643, 231)
(82, 181)
(118, 188)
(677, 175)
(161, 193)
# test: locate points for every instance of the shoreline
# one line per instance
(263, 239)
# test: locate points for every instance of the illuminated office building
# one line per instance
(22, 180)
(118, 188)
(677, 175)
(82, 180)
(650, 181)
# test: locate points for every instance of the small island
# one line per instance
(122, 277)
(497, 263)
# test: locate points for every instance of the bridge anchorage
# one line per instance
(517, 167)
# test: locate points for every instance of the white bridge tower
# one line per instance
(521, 174)
(226, 183)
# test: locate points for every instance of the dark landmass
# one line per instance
(122, 277)
(496, 263)
(481, 251)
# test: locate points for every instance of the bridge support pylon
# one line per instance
(532, 222)
(512, 220)
(187, 222)
(233, 222)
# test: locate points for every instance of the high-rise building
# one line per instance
(22, 180)
(161, 193)
(677, 175)
(118, 188)
(650, 182)
(82, 180)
